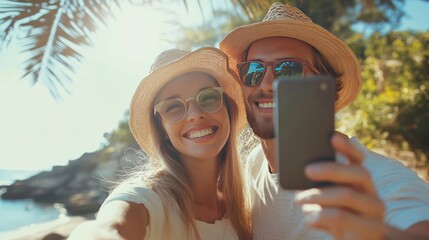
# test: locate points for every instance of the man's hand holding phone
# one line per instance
(350, 209)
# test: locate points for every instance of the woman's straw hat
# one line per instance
(168, 65)
(287, 21)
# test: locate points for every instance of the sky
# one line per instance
(37, 132)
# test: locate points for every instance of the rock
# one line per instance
(54, 236)
(18, 190)
(81, 186)
(85, 202)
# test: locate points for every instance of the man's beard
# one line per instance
(264, 129)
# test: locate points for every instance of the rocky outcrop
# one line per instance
(81, 186)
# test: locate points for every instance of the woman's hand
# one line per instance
(351, 208)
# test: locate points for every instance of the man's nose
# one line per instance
(267, 82)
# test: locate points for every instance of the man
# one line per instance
(374, 197)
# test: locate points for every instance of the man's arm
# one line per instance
(418, 231)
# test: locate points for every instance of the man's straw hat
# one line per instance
(168, 65)
(284, 20)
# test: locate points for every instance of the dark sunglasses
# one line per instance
(252, 72)
(174, 110)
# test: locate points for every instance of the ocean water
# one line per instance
(19, 213)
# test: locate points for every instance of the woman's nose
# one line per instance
(194, 111)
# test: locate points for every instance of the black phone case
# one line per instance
(304, 123)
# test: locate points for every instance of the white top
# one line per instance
(275, 215)
(221, 229)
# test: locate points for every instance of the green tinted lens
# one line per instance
(288, 69)
(209, 100)
(173, 109)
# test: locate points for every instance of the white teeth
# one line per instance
(266, 105)
(201, 133)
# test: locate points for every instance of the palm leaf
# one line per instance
(52, 33)
(12, 13)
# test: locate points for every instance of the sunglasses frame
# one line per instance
(303, 63)
(158, 106)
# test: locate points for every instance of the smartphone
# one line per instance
(304, 123)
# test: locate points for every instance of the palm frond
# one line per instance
(52, 33)
(12, 14)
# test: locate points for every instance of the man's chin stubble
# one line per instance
(263, 131)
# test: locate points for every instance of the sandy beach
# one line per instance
(52, 230)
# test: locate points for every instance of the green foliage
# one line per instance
(393, 106)
(337, 16)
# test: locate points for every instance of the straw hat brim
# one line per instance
(336, 52)
(209, 60)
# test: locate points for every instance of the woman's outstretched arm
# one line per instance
(117, 220)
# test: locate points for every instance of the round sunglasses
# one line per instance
(174, 110)
(252, 72)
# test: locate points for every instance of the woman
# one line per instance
(185, 115)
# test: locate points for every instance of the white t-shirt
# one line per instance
(221, 229)
(275, 215)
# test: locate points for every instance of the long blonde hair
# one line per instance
(167, 176)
